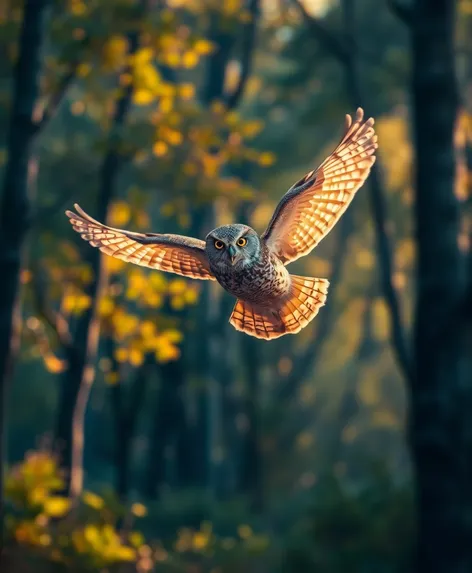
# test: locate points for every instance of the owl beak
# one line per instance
(233, 254)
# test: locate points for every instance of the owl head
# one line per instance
(232, 246)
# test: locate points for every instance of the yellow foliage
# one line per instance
(148, 329)
(189, 59)
(174, 137)
(56, 506)
(160, 148)
(244, 531)
(114, 52)
(120, 214)
(172, 335)
(191, 295)
(252, 128)
(106, 306)
(369, 391)
(103, 542)
(266, 159)
(177, 302)
(112, 378)
(172, 59)
(380, 319)
(158, 281)
(139, 510)
(76, 303)
(165, 351)
(83, 69)
(54, 364)
(93, 500)
(200, 540)
(78, 8)
(177, 286)
(143, 97)
(396, 149)
(121, 354)
(385, 418)
(166, 104)
(365, 258)
(187, 91)
(136, 357)
(153, 299)
(203, 47)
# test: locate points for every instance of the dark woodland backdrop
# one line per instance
(140, 432)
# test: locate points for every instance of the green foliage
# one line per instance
(355, 529)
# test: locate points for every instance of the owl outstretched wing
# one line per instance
(172, 253)
(311, 207)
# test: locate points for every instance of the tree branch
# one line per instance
(54, 319)
(249, 36)
(375, 185)
(325, 37)
(401, 11)
(56, 98)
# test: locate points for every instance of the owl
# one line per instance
(271, 302)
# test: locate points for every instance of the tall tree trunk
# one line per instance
(169, 421)
(15, 207)
(435, 429)
(251, 459)
(78, 379)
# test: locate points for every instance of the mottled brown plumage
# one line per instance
(271, 302)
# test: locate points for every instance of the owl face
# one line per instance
(232, 247)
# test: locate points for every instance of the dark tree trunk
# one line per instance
(251, 482)
(168, 422)
(435, 419)
(15, 207)
(127, 407)
(78, 379)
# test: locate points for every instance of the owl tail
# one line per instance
(308, 295)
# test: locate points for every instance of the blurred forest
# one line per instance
(140, 431)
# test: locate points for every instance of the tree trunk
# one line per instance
(435, 429)
(78, 378)
(169, 421)
(15, 208)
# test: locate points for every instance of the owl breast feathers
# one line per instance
(270, 302)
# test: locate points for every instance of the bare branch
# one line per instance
(401, 11)
(249, 36)
(325, 37)
(56, 98)
(349, 60)
(54, 319)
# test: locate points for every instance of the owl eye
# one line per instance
(219, 244)
(241, 242)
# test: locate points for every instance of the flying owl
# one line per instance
(271, 302)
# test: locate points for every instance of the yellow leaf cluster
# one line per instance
(93, 500)
(139, 510)
(103, 542)
(114, 52)
(57, 506)
(119, 214)
(33, 483)
(75, 302)
(54, 364)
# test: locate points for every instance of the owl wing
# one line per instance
(311, 207)
(172, 253)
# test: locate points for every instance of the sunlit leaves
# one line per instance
(119, 214)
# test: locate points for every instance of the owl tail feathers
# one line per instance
(308, 295)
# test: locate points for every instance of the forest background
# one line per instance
(140, 431)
